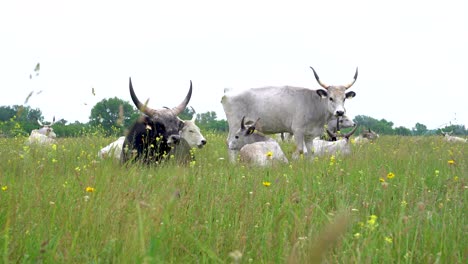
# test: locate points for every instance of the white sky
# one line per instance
(412, 55)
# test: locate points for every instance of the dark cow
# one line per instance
(150, 138)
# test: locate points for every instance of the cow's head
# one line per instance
(243, 136)
(47, 130)
(192, 134)
(369, 134)
(162, 123)
(335, 94)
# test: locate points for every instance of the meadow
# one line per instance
(398, 200)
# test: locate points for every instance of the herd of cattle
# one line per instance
(302, 113)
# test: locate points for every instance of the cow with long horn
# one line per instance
(151, 137)
(42, 136)
(287, 109)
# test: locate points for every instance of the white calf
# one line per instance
(340, 146)
(256, 148)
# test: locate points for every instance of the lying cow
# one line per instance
(44, 135)
(190, 135)
(152, 136)
(114, 149)
(256, 148)
(340, 146)
(449, 138)
(297, 110)
(366, 136)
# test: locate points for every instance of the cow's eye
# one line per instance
(237, 137)
(331, 99)
(191, 131)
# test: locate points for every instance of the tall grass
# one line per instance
(60, 204)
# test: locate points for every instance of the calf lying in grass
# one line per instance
(256, 148)
(340, 146)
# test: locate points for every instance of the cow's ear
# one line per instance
(322, 93)
(181, 125)
(250, 130)
(350, 95)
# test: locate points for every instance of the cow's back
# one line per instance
(279, 108)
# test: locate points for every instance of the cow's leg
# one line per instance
(299, 139)
(309, 144)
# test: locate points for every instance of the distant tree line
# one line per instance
(110, 117)
(384, 127)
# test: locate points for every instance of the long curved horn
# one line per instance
(331, 134)
(318, 79)
(355, 77)
(142, 107)
(53, 121)
(347, 135)
(242, 123)
(40, 123)
(180, 108)
(194, 116)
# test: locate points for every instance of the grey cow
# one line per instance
(255, 148)
(297, 110)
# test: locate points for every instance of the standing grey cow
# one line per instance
(256, 148)
(297, 110)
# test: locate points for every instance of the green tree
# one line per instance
(419, 129)
(403, 131)
(19, 119)
(208, 121)
(187, 114)
(113, 115)
(6, 113)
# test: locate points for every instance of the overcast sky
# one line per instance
(412, 55)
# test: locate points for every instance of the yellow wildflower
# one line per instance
(382, 179)
(390, 175)
(4, 188)
(269, 154)
(451, 162)
(90, 189)
(389, 240)
(54, 147)
(455, 178)
(372, 222)
(266, 183)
